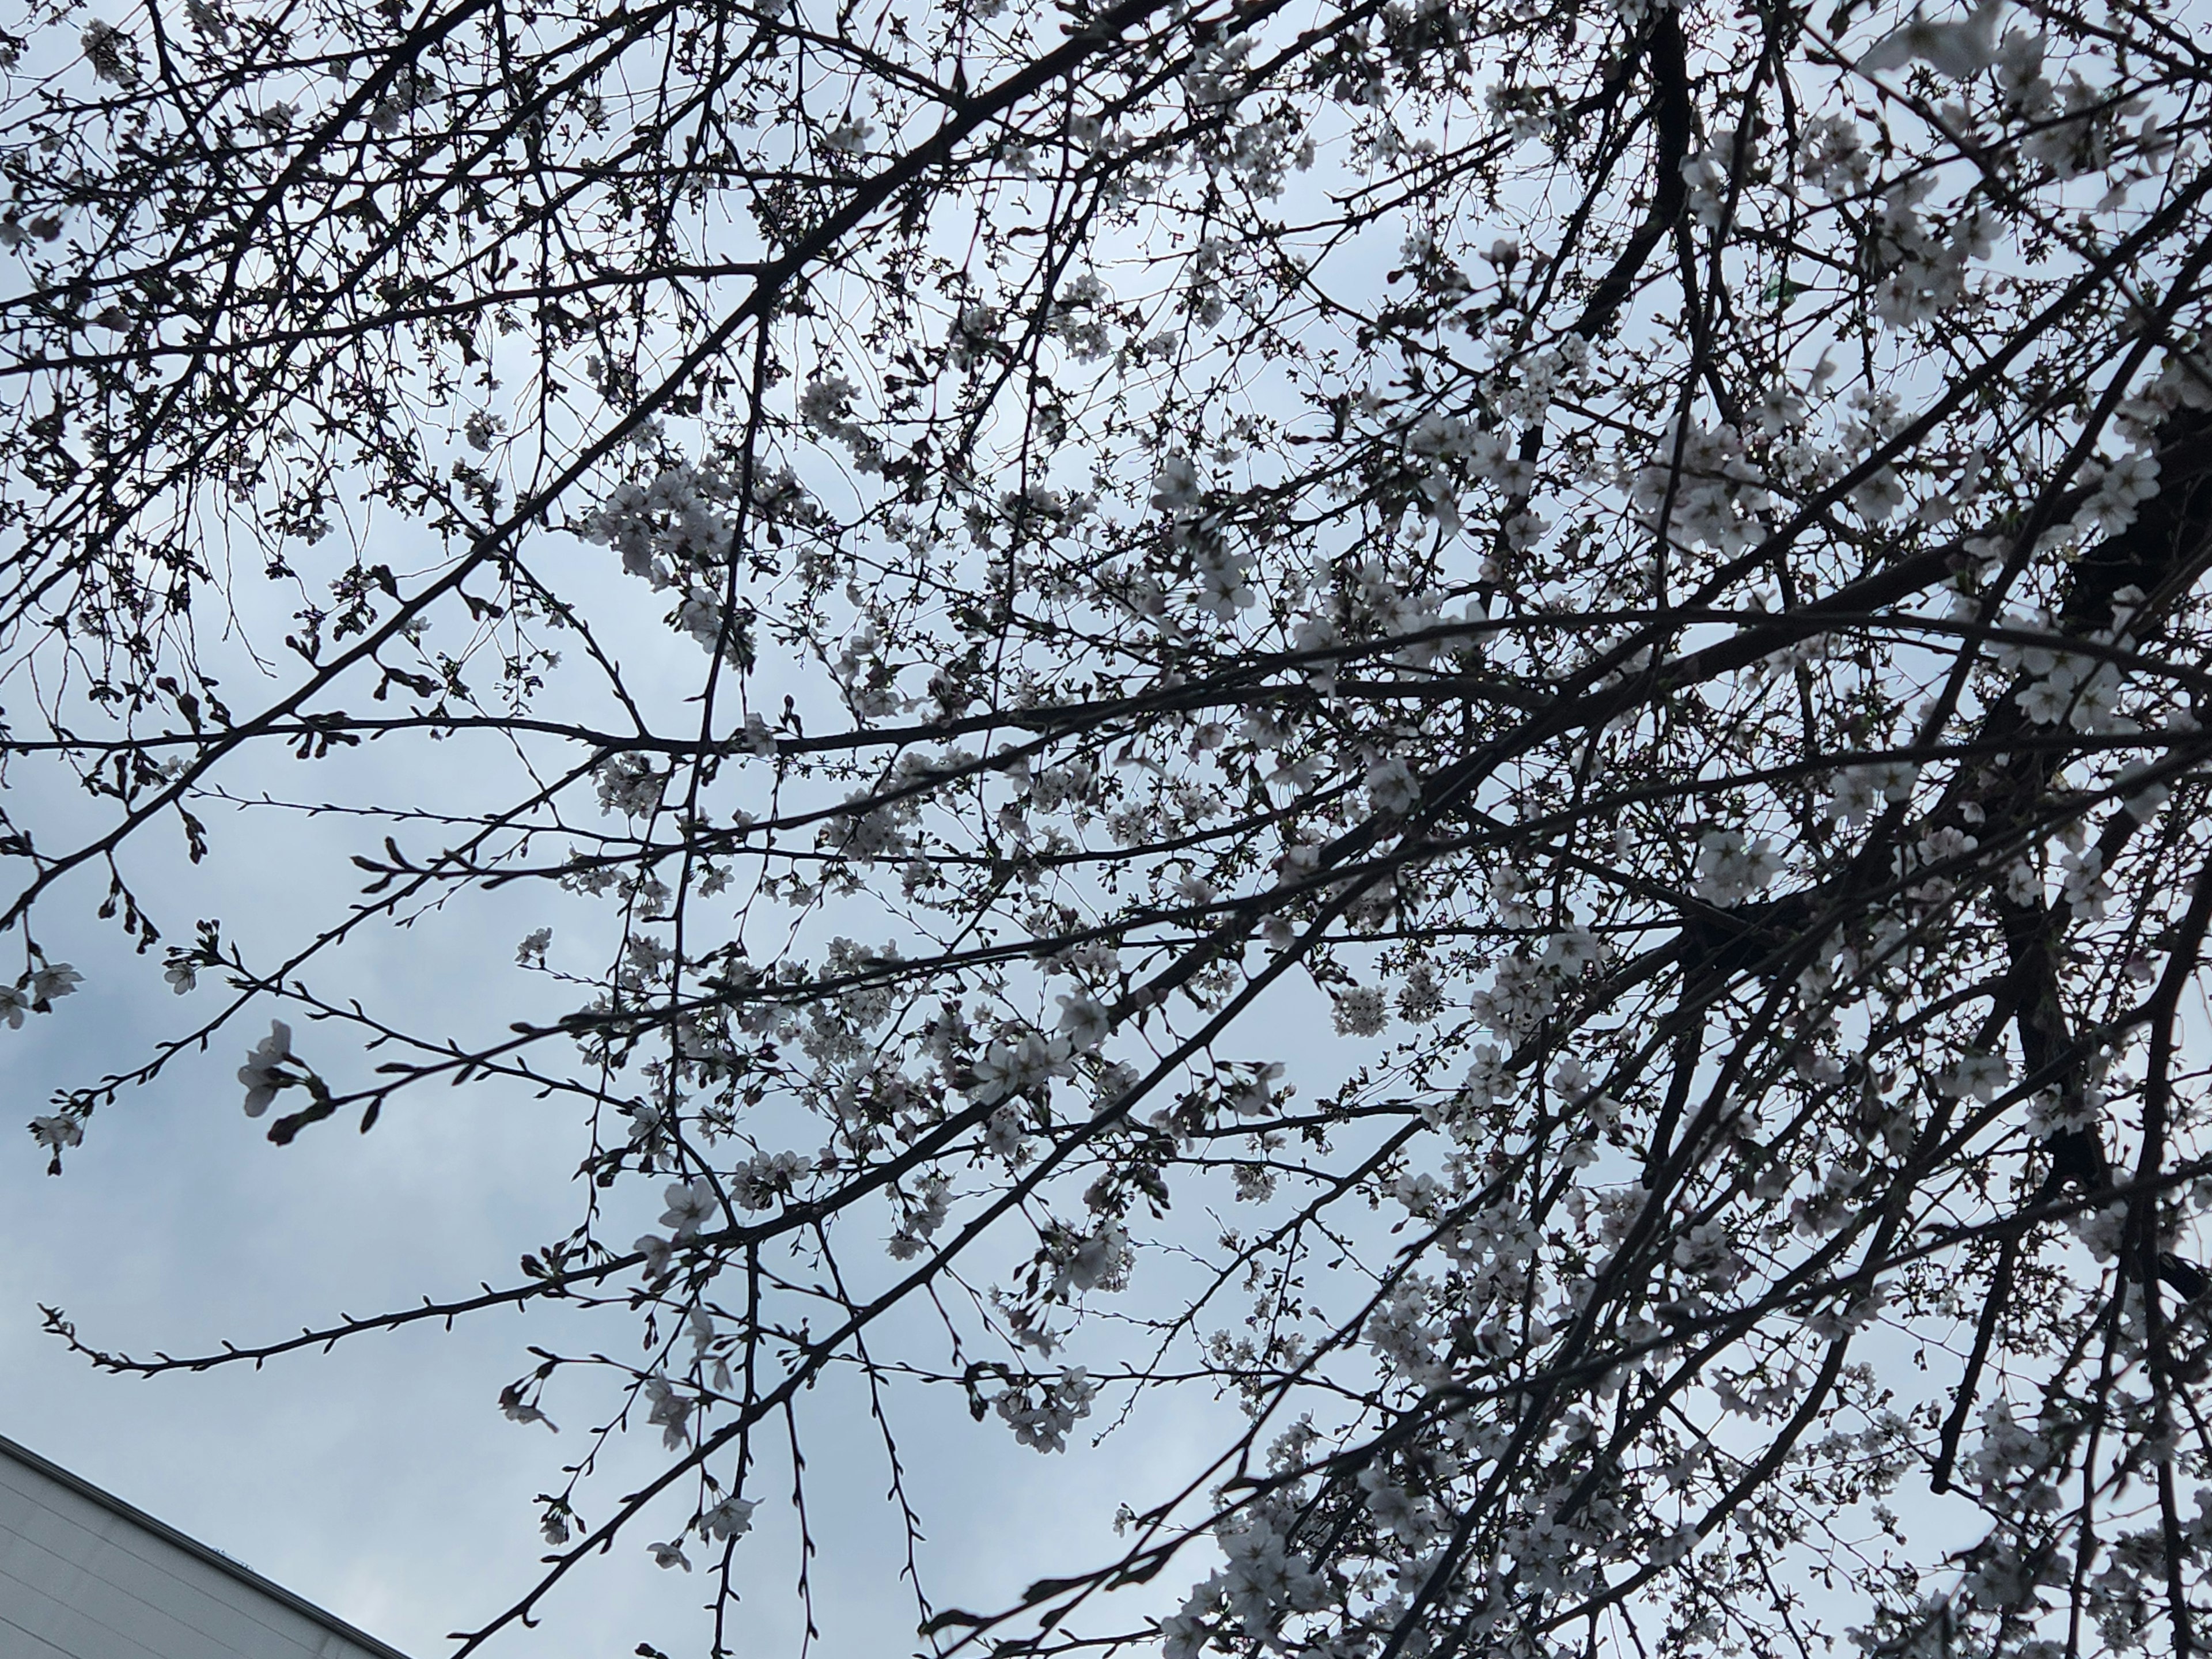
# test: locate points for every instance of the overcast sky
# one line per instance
(380, 1479)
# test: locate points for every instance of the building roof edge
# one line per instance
(193, 1546)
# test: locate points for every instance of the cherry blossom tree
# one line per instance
(997, 569)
